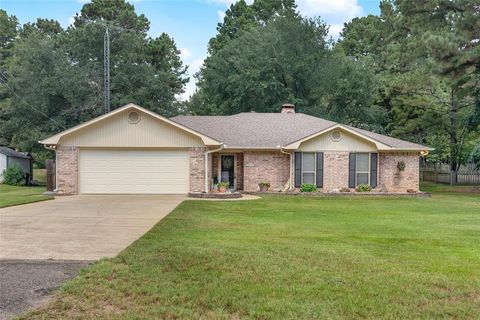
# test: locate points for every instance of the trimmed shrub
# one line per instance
(307, 187)
(364, 188)
(14, 175)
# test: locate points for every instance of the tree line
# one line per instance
(411, 72)
(52, 78)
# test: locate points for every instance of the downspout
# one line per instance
(206, 164)
(291, 168)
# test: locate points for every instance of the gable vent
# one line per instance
(133, 117)
(336, 135)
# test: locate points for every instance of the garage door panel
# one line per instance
(134, 171)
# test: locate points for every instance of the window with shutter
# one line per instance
(362, 168)
(308, 168)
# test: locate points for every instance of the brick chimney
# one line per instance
(288, 108)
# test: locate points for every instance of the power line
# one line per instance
(5, 79)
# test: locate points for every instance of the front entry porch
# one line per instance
(245, 169)
(227, 167)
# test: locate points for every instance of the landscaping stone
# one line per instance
(203, 195)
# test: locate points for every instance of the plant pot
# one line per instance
(263, 189)
(222, 189)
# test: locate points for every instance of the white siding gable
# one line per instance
(348, 142)
(117, 131)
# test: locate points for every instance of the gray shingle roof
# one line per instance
(270, 130)
(392, 142)
(12, 153)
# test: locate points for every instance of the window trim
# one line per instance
(369, 167)
(314, 167)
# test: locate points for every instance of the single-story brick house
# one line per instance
(133, 150)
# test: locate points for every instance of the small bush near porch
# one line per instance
(292, 257)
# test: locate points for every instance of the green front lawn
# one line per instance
(40, 175)
(12, 196)
(291, 257)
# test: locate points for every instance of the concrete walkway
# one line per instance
(80, 227)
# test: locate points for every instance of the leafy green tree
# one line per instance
(242, 17)
(45, 26)
(117, 12)
(448, 33)
(53, 78)
(8, 32)
(425, 58)
(288, 60)
(475, 155)
(146, 71)
(47, 93)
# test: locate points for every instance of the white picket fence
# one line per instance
(440, 173)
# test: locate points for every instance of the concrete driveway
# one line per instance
(79, 227)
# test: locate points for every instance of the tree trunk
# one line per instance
(453, 139)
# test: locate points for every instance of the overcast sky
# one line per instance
(190, 22)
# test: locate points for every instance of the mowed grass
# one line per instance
(291, 258)
(40, 175)
(13, 195)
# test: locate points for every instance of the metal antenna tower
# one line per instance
(106, 69)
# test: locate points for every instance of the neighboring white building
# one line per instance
(9, 156)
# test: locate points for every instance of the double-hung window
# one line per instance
(308, 167)
(362, 168)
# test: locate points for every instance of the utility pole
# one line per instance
(106, 70)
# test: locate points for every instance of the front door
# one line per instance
(227, 170)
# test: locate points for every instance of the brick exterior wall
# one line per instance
(393, 180)
(67, 170)
(253, 167)
(273, 167)
(239, 171)
(197, 169)
(335, 170)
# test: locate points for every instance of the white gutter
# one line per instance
(48, 146)
(291, 168)
(206, 164)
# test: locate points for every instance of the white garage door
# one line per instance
(133, 171)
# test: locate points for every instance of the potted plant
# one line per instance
(222, 186)
(264, 185)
